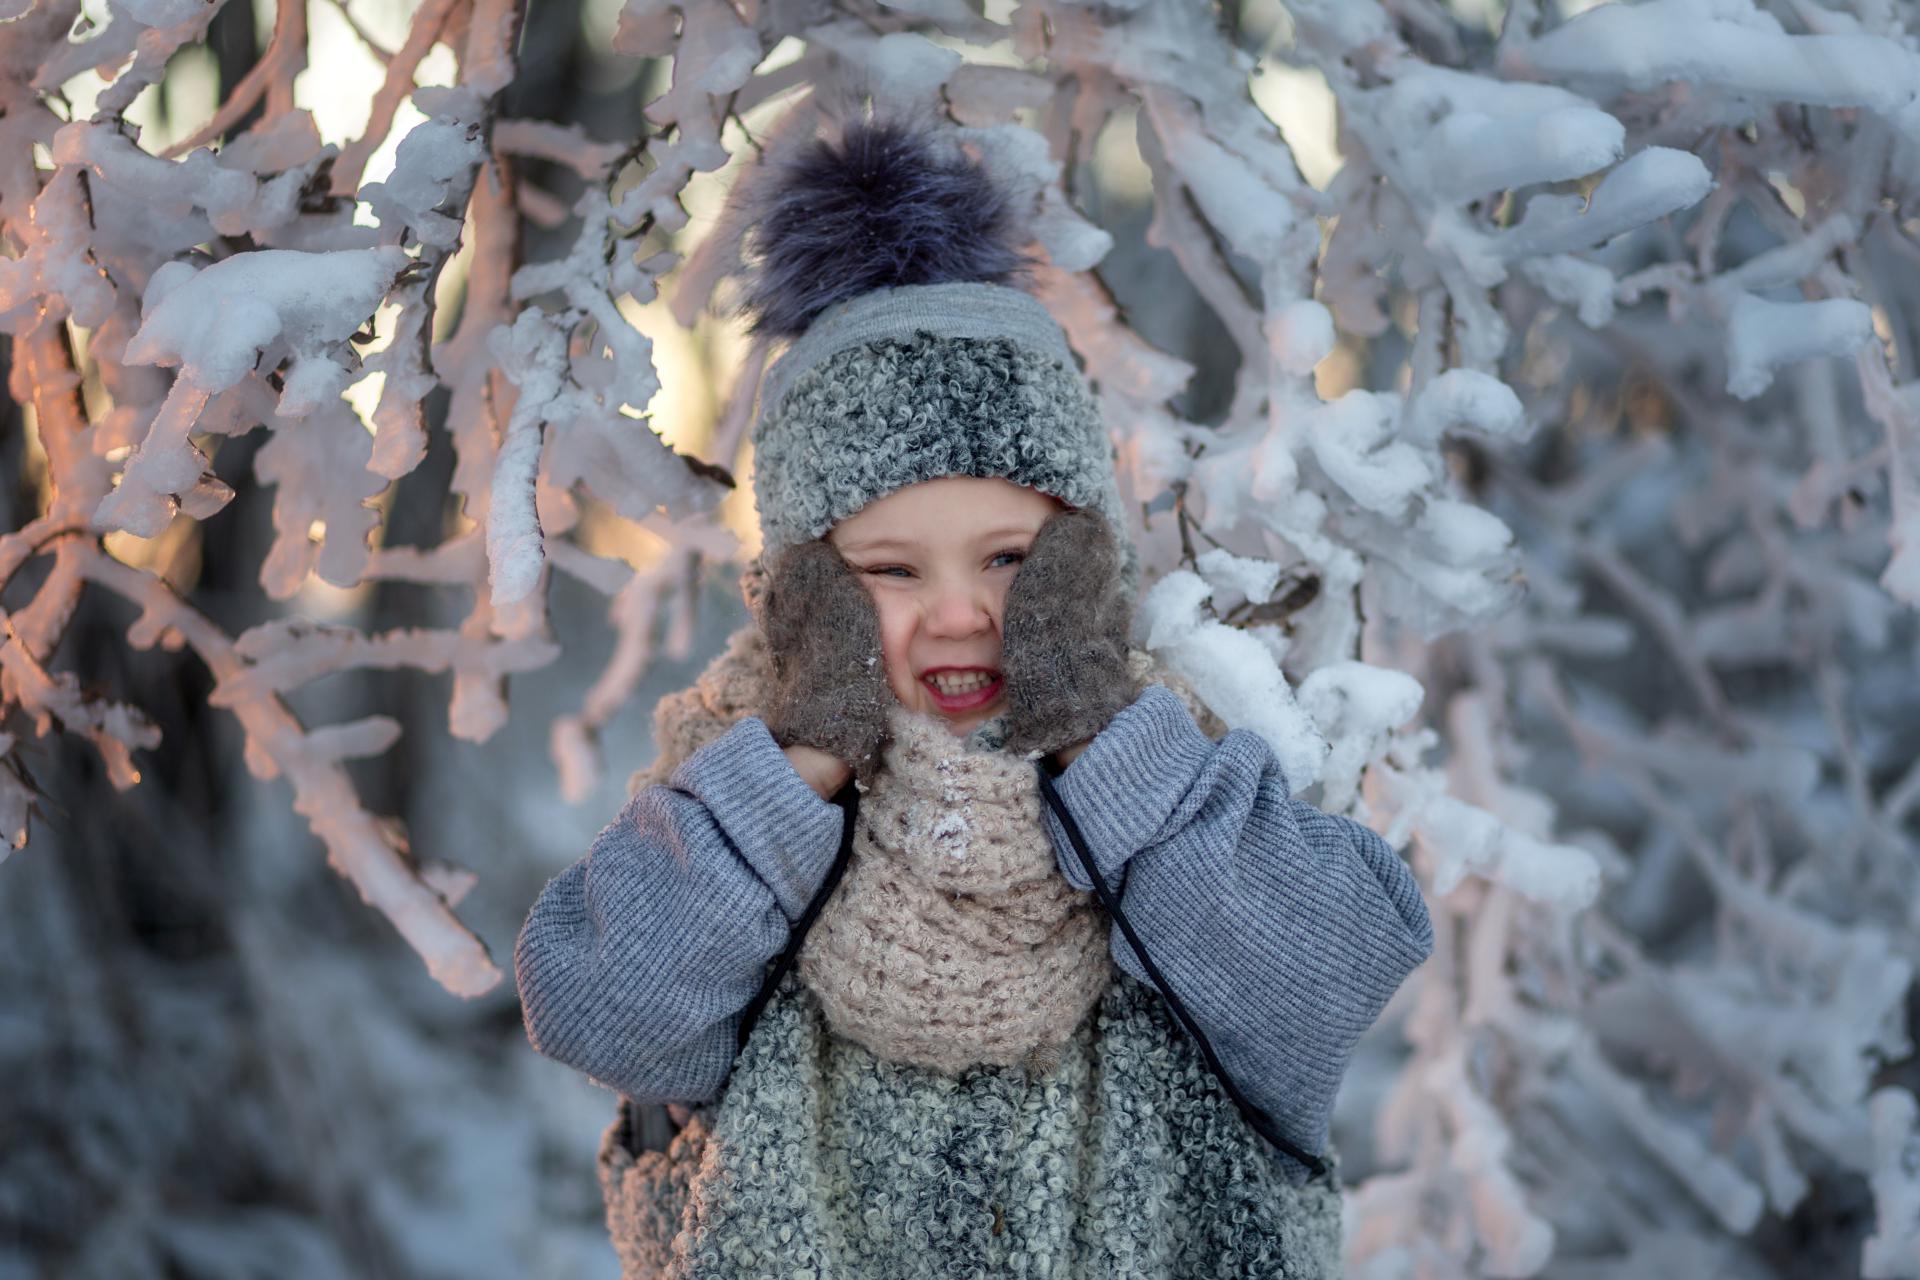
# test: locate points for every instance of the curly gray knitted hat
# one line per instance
(886, 260)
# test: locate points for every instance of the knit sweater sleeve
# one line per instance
(637, 962)
(1283, 929)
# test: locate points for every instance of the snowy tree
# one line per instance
(1535, 463)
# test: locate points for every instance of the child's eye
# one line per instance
(891, 570)
(1012, 557)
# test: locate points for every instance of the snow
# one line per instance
(215, 325)
(1233, 673)
(1762, 335)
(436, 157)
(1235, 197)
(168, 206)
(163, 13)
(952, 829)
(1463, 535)
(1645, 45)
(533, 355)
(1355, 707)
(1464, 400)
(1468, 154)
(54, 262)
(1461, 135)
(1893, 1250)
(1346, 22)
(1467, 841)
(220, 325)
(1585, 286)
(1251, 579)
(1648, 185)
(319, 468)
(1302, 335)
(1021, 164)
(908, 69)
(1354, 441)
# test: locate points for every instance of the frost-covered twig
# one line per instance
(227, 326)
(271, 78)
(424, 29)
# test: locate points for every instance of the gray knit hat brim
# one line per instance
(920, 383)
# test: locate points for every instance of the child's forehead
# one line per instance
(934, 536)
(949, 512)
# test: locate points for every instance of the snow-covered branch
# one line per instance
(1541, 480)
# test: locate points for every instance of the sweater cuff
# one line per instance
(779, 824)
(1124, 787)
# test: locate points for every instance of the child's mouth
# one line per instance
(957, 689)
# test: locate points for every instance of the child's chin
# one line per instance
(966, 722)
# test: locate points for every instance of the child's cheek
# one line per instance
(998, 610)
(896, 631)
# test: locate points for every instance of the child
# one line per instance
(967, 1058)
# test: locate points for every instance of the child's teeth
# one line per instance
(952, 686)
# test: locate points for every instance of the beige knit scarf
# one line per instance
(953, 940)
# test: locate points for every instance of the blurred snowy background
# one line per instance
(1520, 402)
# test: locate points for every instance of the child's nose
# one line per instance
(961, 610)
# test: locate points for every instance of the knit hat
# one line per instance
(887, 259)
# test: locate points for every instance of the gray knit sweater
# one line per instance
(1125, 1161)
(1283, 928)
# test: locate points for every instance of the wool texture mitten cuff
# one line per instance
(829, 684)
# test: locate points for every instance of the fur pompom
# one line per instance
(879, 209)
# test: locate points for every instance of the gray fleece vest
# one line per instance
(818, 1161)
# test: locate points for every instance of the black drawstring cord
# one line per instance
(848, 798)
(1314, 1164)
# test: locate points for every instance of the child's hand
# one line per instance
(1067, 755)
(1063, 648)
(829, 687)
(824, 773)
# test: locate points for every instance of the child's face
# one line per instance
(937, 558)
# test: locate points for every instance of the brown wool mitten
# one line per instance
(829, 687)
(1063, 642)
